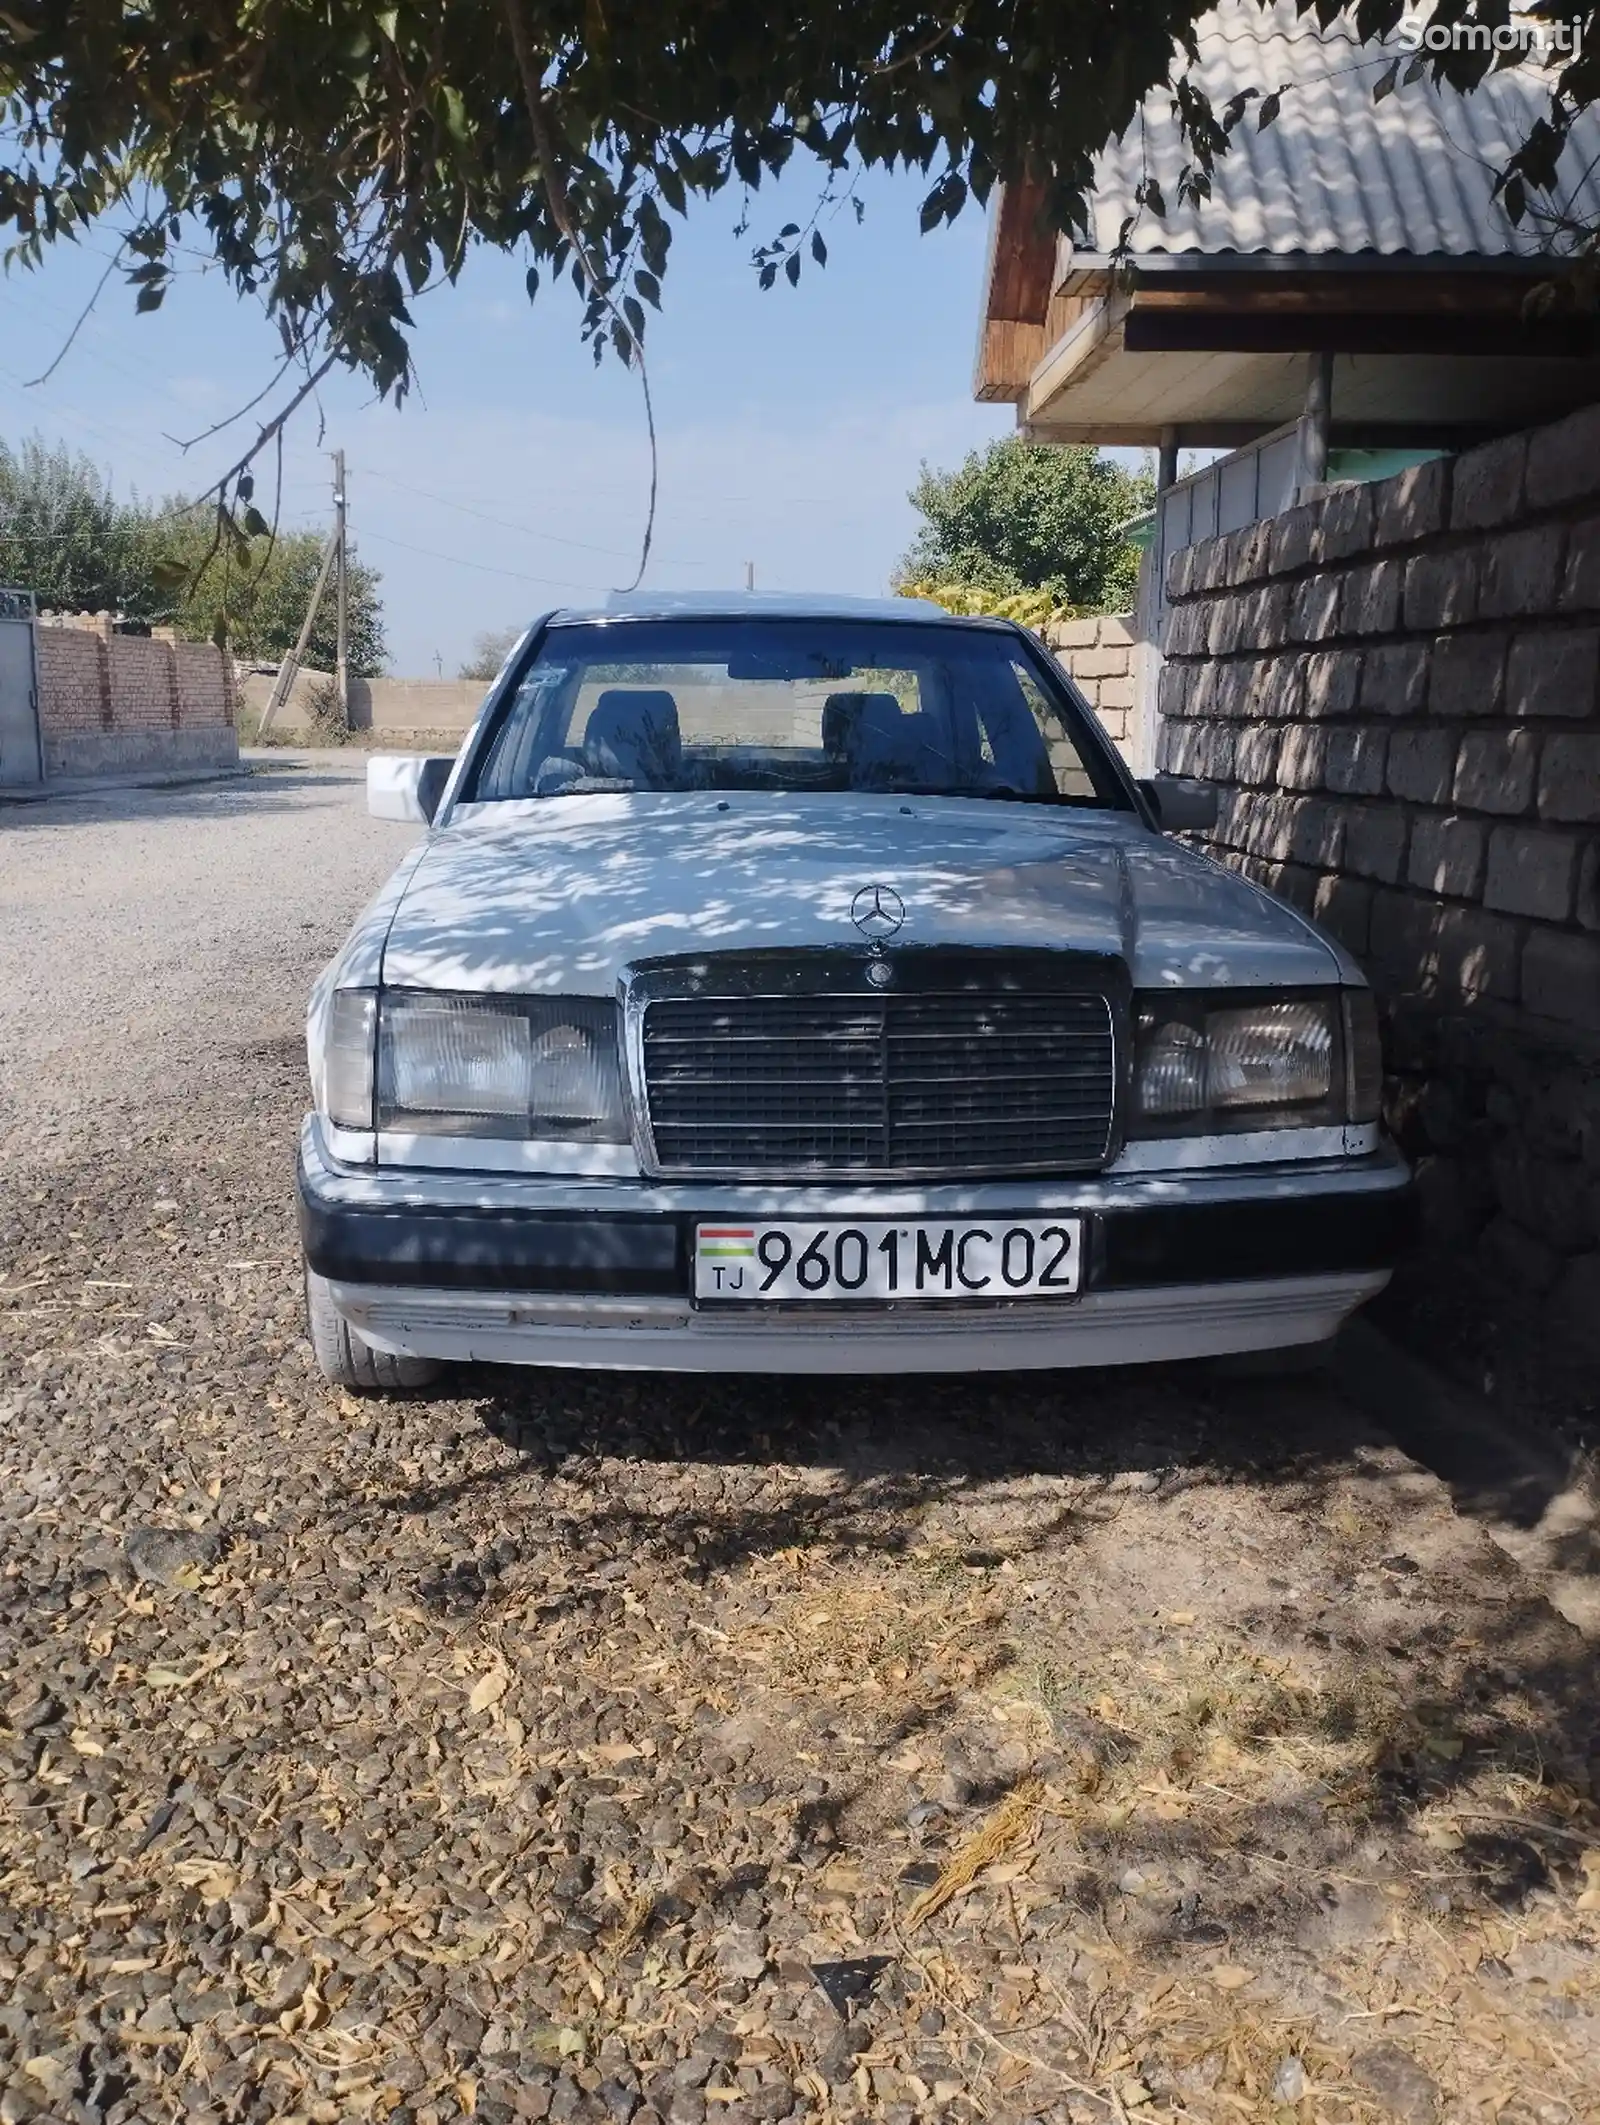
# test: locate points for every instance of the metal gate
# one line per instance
(20, 759)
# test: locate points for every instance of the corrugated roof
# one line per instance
(1337, 173)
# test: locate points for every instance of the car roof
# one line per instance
(750, 605)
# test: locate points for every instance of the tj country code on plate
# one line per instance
(993, 1258)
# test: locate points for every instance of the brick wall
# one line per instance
(1395, 687)
(110, 702)
(1098, 652)
(70, 679)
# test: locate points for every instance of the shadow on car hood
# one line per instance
(562, 893)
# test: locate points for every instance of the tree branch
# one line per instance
(555, 189)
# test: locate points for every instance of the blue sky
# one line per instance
(791, 423)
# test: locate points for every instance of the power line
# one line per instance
(482, 567)
(609, 553)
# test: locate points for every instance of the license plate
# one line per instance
(964, 1258)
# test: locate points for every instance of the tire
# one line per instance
(344, 1360)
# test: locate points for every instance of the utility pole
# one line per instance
(341, 656)
(283, 684)
(749, 575)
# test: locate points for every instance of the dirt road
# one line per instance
(1080, 1746)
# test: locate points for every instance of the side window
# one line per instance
(1066, 767)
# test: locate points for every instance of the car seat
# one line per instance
(633, 736)
(887, 746)
(841, 718)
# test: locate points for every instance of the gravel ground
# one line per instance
(1080, 1746)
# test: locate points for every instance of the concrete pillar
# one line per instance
(1315, 422)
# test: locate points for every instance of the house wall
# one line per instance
(404, 709)
(1099, 654)
(111, 703)
(1394, 687)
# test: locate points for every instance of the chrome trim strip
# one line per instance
(351, 1147)
(424, 1188)
(500, 1154)
(1249, 1147)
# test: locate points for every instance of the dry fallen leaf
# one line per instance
(1228, 1977)
(489, 1689)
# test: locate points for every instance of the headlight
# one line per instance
(1270, 1055)
(1217, 1063)
(486, 1066)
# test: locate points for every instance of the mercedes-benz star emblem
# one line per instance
(877, 912)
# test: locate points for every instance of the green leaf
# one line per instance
(649, 287)
(819, 249)
(455, 112)
(672, 190)
(1384, 85)
(1270, 107)
(791, 267)
(256, 525)
(150, 298)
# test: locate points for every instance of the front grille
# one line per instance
(925, 1083)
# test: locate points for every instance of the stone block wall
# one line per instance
(1099, 654)
(1395, 687)
(111, 703)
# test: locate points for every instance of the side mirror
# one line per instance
(1180, 806)
(407, 786)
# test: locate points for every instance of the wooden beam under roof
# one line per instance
(1019, 280)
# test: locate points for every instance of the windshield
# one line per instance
(791, 705)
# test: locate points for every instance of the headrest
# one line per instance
(890, 747)
(633, 736)
(841, 718)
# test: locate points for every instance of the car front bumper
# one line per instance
(562, 1270)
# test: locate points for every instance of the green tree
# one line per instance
(64, 535)
(256, 591)
(337, 156)
(1030, 516)
(489, 652)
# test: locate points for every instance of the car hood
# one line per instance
(563, 893)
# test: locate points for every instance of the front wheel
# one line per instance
(344, 1360)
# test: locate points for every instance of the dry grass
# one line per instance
(1009, 1827)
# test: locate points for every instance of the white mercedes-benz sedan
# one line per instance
(803, 985)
